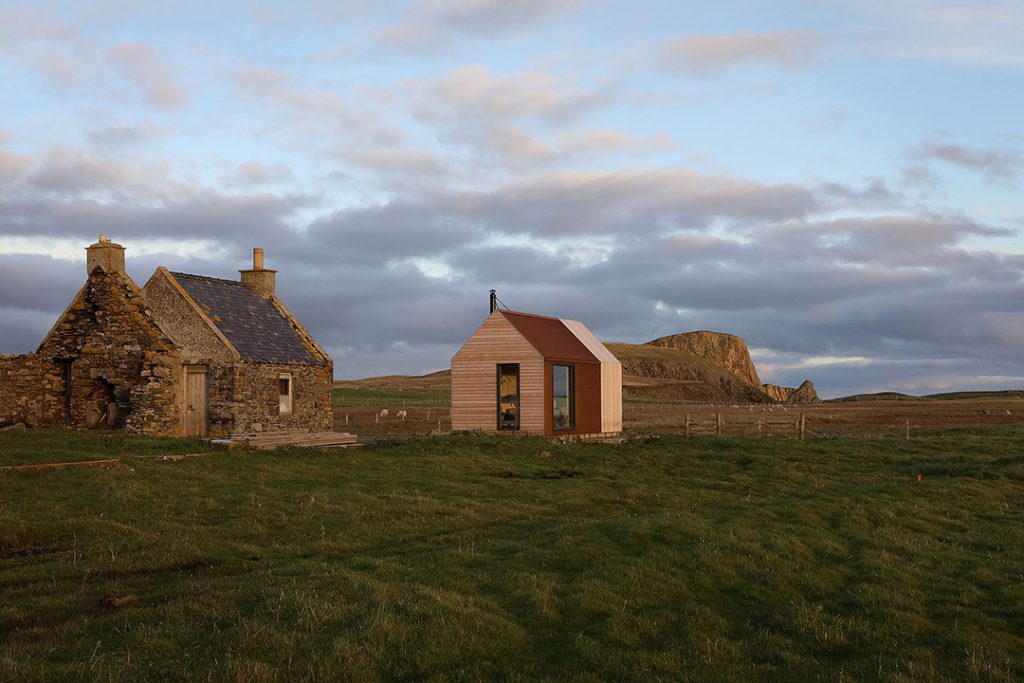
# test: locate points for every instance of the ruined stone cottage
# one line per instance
(185, 355)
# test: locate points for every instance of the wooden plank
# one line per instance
(195, 401)
(104, 464)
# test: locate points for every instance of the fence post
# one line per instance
(718, 424)
(687, 424)
(908, 429)
(803, 426)
(346, 419)
(759, 434)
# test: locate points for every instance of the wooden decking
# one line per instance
(268, 440)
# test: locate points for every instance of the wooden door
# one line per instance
(195, 401)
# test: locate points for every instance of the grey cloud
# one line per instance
(125, 135)
(432, 23)
(996, 164)
(711, 54)
(210, 216)
(255, 173)
(875, 193)
(633, 254)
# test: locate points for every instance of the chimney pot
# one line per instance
(105, 255)
(260, 279)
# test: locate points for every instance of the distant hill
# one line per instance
(946, 396)
(697, 367)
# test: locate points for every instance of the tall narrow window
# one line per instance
(563, 388)
(284, 390)
(508, 396)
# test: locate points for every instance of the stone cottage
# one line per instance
(185, 355)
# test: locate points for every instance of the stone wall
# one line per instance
(31, 391)
(124, 371)
(183, 324)
(257, 399)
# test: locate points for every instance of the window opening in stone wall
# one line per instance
(284, 390)
(100, 405)
(563, 389)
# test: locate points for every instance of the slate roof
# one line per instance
(257, 329)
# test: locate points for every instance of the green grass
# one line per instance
(361, 397)
(37, 447)
(474, 558)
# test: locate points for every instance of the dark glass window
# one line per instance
(563, 388)
(508, 396)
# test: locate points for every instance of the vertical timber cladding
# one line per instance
(475, 378)
(611, 397)
(587, 400)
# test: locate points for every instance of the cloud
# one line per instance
(433, 23)
(984, 32)
(706, 55)
(255, 173)
(141, 65)
(995, 164)
(12, 166)
(125, 135)
(475, 93)
(309, 116)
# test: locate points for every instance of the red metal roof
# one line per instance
(550, 336)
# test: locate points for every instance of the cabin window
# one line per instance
(563, 389)
(284, 390)
(508, 396)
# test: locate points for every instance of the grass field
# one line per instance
(487, 558)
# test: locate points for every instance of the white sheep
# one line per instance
(401, 414)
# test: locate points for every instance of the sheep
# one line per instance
(401, 414)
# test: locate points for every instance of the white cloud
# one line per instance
(711, 54)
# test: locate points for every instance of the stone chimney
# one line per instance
(259, 279)
(105, 255)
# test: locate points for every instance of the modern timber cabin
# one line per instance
(537, 375)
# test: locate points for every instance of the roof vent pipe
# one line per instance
(494, 301)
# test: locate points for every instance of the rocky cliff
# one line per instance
(661, 372)
(804, 393)
(724, 350)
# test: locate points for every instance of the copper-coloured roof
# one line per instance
(550, 336)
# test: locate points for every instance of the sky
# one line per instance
(839, 183)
